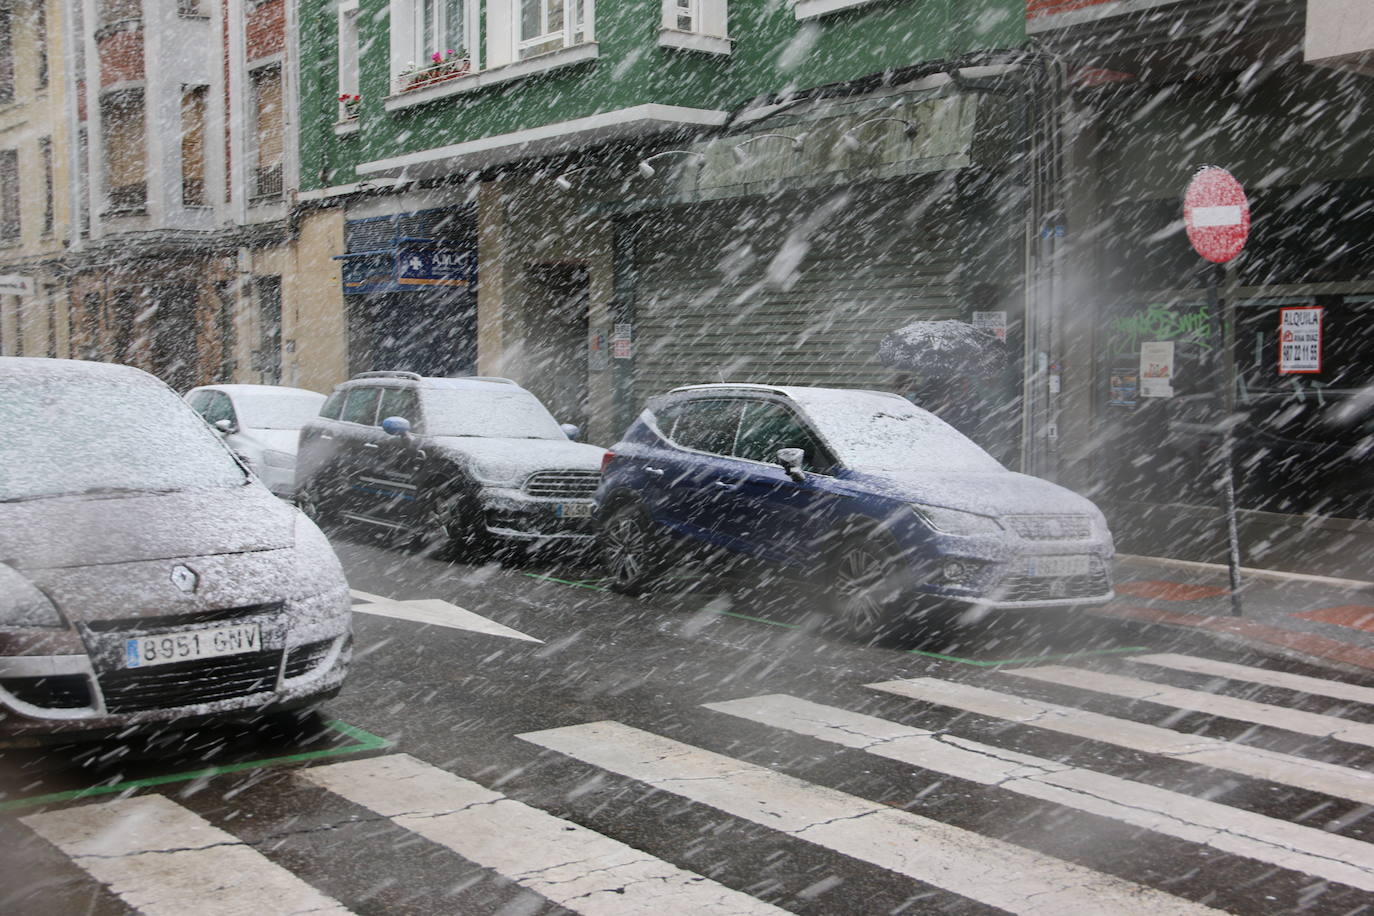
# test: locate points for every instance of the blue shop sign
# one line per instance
(408, 268)
(436, 266)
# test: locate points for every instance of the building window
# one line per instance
(45, 152)
(121, 120)
(268, 135)
(699, 17)
(192, 9)
(83, 200)
(194, 100)
(550, 25)
(686, 15)
(6, 55)
(431, 40)
(40, 31)
(9, 195)
(348, 60)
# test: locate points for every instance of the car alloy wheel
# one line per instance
(626, 550)
(863, 583)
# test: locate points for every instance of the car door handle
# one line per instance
(657, 472)
(728, 484)
(370, 445)
(325, 436)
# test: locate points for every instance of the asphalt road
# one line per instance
(707, 750)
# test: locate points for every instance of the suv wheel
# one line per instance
(865, 584)
(627, 550)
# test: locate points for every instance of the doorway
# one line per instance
(558, 296)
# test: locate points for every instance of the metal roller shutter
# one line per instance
(792, 290)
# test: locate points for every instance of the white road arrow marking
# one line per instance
(436, 612)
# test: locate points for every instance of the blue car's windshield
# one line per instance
(877, 432)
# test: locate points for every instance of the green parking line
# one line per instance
(366, 741)
(1024, 661)
(771, 623)
(585, 583)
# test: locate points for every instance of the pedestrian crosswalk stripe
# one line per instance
(1233, 830)
(1293, 720)
(1247, 760)
(991, 871)
(571, 865)
(1300, 683)
(165, 860)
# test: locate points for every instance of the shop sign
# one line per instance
(435, 266)
(1300, 340)
(993, 322)
(1042, 14)
(1216, 214)
(1157, 369)
(15, 285)
(622, 341)
(368, 273)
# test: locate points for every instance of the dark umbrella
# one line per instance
(943, 350)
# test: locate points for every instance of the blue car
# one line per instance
(888, 509)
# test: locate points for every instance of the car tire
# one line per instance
(865, 590)
(627, 550)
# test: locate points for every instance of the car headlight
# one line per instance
(952, 521)
(495, 471)
(23, 605)
(276, 459)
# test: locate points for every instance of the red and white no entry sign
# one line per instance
(1216, 214)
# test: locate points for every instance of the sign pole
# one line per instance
(1216, 214)
(1227, 445)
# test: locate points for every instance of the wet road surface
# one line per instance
(519, 740)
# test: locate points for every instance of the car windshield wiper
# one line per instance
(93, 491)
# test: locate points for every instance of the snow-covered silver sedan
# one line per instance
(145, 575)
(262, 424)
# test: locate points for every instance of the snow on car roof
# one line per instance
(17, 366)
(284, 390)
(799, 393)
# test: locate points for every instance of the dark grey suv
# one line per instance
(478, 461)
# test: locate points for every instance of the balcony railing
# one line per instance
(127, 199)
(267, 184)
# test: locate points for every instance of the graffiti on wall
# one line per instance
(1159, 322)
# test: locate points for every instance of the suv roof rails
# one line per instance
(488, 378)
(390, 373)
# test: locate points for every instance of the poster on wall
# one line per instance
(1125, 383)
(1300, 340)
(996, 322)
(1157, 369)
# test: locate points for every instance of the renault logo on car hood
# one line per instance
(185, 578)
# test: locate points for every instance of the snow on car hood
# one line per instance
(998, 493)
(279, 440)
(70, 531)
(512, 460)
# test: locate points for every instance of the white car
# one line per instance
(145, 576)
(261, 423)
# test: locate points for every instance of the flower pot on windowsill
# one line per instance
(440, 73)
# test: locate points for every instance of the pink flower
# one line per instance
(450, 52)
(357, 98)
(436, 57)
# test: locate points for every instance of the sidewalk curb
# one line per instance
(1272, 575)
(1316, 647)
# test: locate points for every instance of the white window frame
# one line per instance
(567, 36)
(709, 21)
(349, 48)
(408, 46)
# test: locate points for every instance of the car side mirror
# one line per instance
(225, 427)
(791, 460)
(572, 432)
(396, 426)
